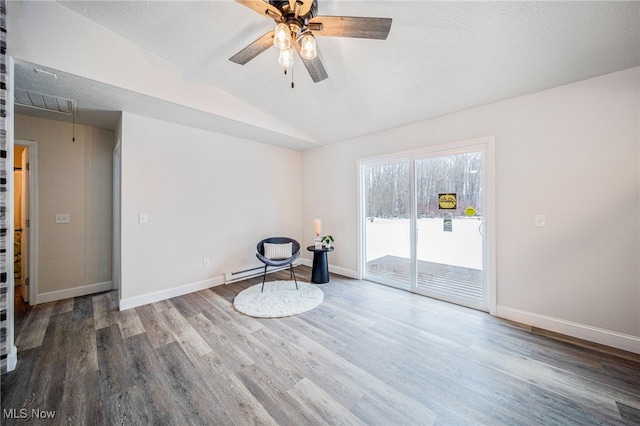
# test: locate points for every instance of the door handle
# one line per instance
(482, 229)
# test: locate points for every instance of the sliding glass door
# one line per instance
(449, 227)
(424, 223)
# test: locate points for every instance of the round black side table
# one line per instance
(320, 269)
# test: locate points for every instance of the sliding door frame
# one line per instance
(487, 145)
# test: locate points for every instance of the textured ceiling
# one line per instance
(440, 57)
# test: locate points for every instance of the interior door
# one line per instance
(117, 225)
(424, 223)
(24, 225)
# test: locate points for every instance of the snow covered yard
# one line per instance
(461, 247)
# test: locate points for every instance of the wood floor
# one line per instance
(368, 355)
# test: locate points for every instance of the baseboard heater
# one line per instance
(231, 277)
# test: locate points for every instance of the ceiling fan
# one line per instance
(297, 23)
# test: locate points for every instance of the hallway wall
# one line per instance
(75, 178)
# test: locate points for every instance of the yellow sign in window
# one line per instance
(470, 211)
(448, 201)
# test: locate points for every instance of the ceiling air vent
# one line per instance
(31, 99)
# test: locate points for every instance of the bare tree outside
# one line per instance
(387, 186)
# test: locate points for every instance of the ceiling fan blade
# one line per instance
(262, 7)
(314, 66)
(351, 26)
(254, 49)
(306, 6)
(296, 7)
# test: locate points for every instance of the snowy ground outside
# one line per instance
(461, 247)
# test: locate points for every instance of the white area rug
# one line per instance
(279, 299)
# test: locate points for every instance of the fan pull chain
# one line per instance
(285, 73)
(73, 122)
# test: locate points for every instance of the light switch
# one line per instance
(62, 217)
(142, 218)
(540, 220)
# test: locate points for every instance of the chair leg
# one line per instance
(264, 277)
(293, 273)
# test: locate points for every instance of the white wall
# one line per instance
(571, 153)
(73, 178)
(207, 196)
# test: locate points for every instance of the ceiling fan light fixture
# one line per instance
(285, 58)
(308, 48)
(282, 36)
(297, 23)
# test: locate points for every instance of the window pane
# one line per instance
(387, 233)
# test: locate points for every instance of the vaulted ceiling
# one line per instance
(440, 57)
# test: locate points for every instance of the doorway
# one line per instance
(117, 226)
(25, 218)
(20, 196)
(425, 222)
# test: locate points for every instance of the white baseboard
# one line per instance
(581, 331)
(344, 272)
(12, 359)
(305, 262)
(157, 296)
(53, 296)
(202, 285)
(350, 273)
(179, 291)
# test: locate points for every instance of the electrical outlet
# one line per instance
(143, 218)
(206, 262)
